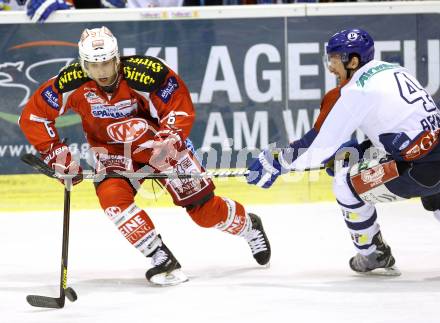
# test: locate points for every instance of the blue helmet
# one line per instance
(352, 41)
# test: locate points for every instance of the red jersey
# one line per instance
(149, 97)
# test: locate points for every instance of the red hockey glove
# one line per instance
(166, 148)
(60, 159)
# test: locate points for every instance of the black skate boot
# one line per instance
(166, 269)
(380, 262)
(258, 241)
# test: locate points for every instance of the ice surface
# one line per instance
(308, 281)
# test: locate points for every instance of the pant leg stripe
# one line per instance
(362, 247)
(353, 206)
(362, 225)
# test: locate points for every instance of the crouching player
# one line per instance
(399, 118)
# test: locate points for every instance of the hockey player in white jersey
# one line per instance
(397, 115)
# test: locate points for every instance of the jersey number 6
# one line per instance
(50, 130)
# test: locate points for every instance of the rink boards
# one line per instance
(38, 192)
(254, 82)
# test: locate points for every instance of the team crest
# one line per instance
(128, 130)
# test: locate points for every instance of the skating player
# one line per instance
(136, 114)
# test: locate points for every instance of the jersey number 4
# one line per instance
(411, 91)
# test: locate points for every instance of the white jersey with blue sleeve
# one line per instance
(384, 101)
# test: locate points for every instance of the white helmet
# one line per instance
(97, 45)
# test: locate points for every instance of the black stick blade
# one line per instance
(44, 301)
(37, 164)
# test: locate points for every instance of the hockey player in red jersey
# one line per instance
(136, 112)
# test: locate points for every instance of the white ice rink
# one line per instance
(308, 281)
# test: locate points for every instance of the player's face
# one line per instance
(335, 66)
(104, 73)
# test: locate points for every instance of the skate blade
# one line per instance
(390, 271)
(169, 279)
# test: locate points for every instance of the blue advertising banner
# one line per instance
(253, 81)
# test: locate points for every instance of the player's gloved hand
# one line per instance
(113, 3)
(265, 169)
(345, 154)
(166, 147)
(40, 10)
(60, 159)
(190, 146)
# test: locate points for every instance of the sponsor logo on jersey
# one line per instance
(107, 163)
(128, 130)
(422, 145)
(93, 98)
(51, 97)
(141, 77)
(117, 111)
(154, 65)
(364, 180)
(373, 71)
(166, 91)
(69, 75)
(373, 175)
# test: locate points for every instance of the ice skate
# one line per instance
(258, 241)
(381, 262)
(166, 270)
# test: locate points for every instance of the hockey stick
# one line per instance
(40, 166)
(58, 302)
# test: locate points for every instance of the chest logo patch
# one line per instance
(128, 130)
(118, 110)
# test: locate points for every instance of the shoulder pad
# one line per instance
(70, 78)
(144, 73)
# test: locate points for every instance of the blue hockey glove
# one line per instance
(190, 146)
(264, 170)
(113, 3)
(40, 10)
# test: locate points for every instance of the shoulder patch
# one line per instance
(70, 78)
(165, 92)
(50, 97)
(144, 73)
